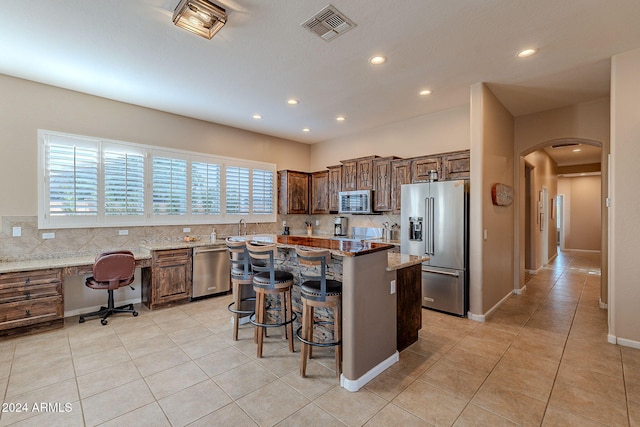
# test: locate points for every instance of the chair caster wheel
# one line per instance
(104, 321)
(81, 320)
(135, 314)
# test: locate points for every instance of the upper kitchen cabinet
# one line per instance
(400, 174)
(357, 174)
(335, 186)
(456, 165)
(422, 166)
(293, 192)
(382, 183)
(320, 192)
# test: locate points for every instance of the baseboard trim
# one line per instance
(357, 384)
(84, 310)
(623, 341)
(602, 305)
(483, 317)
(520, 291)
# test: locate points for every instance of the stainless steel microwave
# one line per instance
(355, 202)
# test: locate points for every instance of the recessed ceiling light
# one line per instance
(306, 130)
(340, 118)
(377, 60)
(425, 92)
(257, 116)
(292, 101)
(526, 52)
(577, 150)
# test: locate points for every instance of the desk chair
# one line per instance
(111, 270)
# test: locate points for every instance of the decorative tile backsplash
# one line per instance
(91, 241)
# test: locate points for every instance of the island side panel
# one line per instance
(368, 313)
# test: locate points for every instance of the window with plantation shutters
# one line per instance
(205, 188)
(262, 192)
(123, 182)
(72, 177)
(169, 186)
(237, 190)
(92, 182)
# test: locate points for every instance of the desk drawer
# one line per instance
(35, 277)
(176, 256)
(23, 313)
(21, 292)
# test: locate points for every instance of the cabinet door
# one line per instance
(293, 192)
(364, 179)
(456, 165)
(400, 174)
(335, 186)
(171, 276)
(320, 192)
(382, 184)
(349, 175)
(420, 168)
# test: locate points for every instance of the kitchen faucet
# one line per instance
(240, 226)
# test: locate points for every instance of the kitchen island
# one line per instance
(369, 275)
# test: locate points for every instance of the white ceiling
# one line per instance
(130, 51)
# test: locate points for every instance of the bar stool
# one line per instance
(241, 282)
(269, 281)
(318, 291)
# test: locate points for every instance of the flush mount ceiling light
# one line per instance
(377, 60)
(526, 53)
(201, 17)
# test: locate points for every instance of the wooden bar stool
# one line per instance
(269, 281)
(241, 282)
(318, 291)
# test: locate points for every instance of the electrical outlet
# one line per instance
(284, 223)
(393, 287)
(16, 231)
(123, 232)
(186, 230)
(48, 235)
(317, 222)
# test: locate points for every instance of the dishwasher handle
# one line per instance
(205, 250)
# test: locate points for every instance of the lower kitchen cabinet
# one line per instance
(409, 305)
(31, 301)
(169, 279)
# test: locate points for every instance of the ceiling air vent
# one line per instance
(329, 23)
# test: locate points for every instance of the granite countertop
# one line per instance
(338, 247)
(397, 261)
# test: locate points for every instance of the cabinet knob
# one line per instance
(27, 281)
(27, 295)
(27, 313)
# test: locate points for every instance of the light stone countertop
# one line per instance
(397, 261)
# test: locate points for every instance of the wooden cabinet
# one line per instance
(456, 165)
(169, 279)
(31, 301)
(422, 166)
(320, 192)
(382, 184)
(400, 174)
(357, 174)
(349, 175)
(335, 186)
(408, 305)
(293, 192)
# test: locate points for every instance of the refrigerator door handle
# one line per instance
(432, 222)
(444, 273)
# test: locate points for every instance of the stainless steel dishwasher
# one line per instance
(211, 274)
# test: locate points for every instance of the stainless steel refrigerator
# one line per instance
(434, 222)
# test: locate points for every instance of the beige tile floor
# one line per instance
(541, 359)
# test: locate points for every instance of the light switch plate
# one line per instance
(123, 232)
(393, 287)
(186, 230)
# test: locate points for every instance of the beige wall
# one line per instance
(624, 320)
(582, 219)
(26, 106)
(544, 174)
(491, 260)
(431, 134)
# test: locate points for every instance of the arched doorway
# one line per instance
(537, 210)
